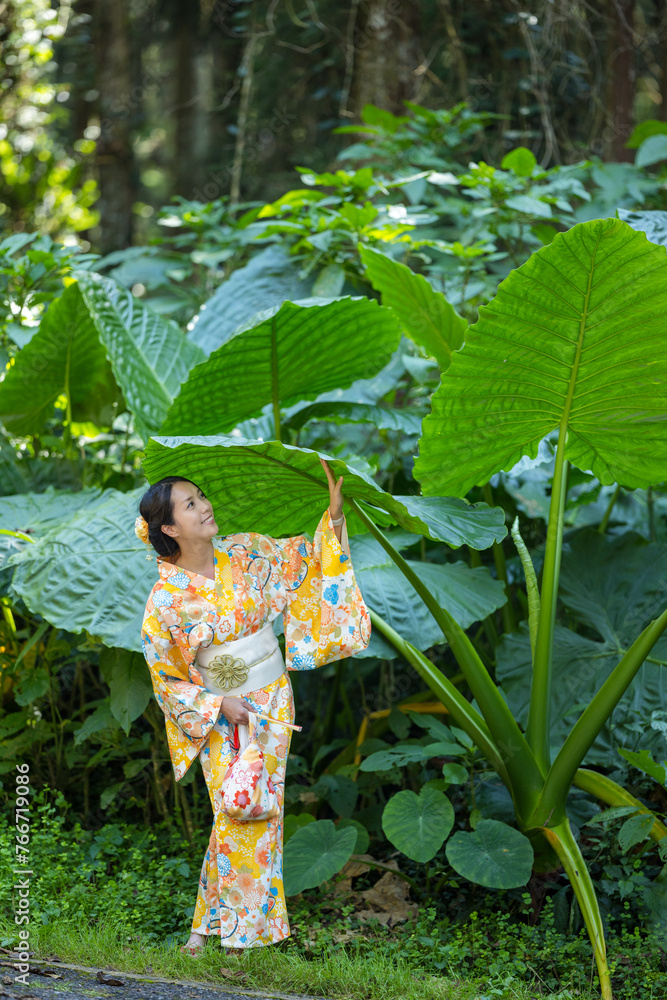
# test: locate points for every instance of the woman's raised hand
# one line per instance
(335, 491)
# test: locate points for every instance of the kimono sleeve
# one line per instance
(325, 618)
(190, 710)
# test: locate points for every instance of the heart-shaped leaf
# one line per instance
(418, 825)
(279, 490)
(315, 853)
(494, 855)
(575, 338)
(282, 355)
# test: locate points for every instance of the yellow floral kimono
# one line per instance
(257, 578)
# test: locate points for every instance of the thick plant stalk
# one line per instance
(275, 387)
(526, 781)
(602, 527)
(612, 794)
(532, 589)
(539, 714)
(592, 719)
(507, 611)
(560, 837)
(461, 711)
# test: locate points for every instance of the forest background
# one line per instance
(211, 160)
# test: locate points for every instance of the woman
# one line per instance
(212, 655)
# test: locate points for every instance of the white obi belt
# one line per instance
(238, 666)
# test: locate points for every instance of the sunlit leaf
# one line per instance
(64, 358)
(149, 355)
(426, 315)
(283, 355)
(576, 337)
(270, 278)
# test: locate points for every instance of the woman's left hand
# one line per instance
(335, 491)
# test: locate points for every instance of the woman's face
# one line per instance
(192, 514)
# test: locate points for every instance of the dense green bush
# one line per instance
(141, 881)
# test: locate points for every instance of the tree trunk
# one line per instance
(188, 99)
(386, 54)
(113, 158)
(661, 56)
(620, 81)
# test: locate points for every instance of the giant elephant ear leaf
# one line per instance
(94, 329)
(269, 278)
(295, 351)
(64, 358)
(27, 516)
(575, 339)
(468, 595)
(149, 355)
(279, 490)
(90, 572)
(425, 314)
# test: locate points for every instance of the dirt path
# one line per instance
(60, 981)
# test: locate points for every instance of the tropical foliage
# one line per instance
(497, 416)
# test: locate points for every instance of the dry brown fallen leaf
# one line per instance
(237, 974)
(356, 866)
(390, 895)
(107, 980)
(342, 937)
(382, 918)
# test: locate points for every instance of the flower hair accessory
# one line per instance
(141, 531)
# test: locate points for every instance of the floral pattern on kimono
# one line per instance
(257, 578)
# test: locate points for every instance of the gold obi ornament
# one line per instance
(228, 671)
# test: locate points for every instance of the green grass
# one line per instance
(371, 976)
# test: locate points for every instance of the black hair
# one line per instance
(156, 508)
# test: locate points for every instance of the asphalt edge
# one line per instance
(232, 987)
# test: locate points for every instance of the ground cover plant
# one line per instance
(489, 437)
(356, 935)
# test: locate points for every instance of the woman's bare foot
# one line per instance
(195, 944)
